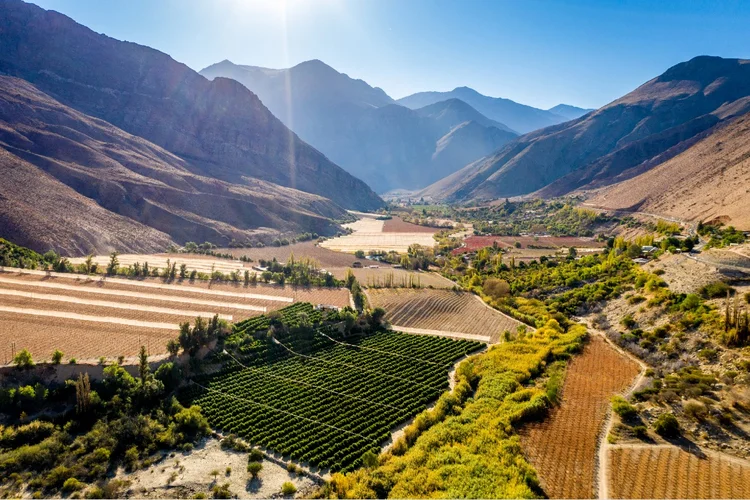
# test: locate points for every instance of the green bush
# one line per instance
(288, 488)
(667, 426)
(255, 455)
(254, 468)
(624, 409)
(717, 289)
(72, 484)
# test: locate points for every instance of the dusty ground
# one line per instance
(683, 274)
(368, 234)
(185, 474)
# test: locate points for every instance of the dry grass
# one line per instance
(442, 310)
(667, 471)
(562, 448)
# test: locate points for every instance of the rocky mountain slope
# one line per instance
(79, 184)
(648, 126)
(219, 127)
(569, 112)
(518, 117)
(708, 181)
(360, 128)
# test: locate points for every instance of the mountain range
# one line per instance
(665, 118)
(164, 152)
(519, 117)
(365, 131)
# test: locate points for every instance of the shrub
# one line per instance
(288, 488)
(23, 360)
(716, 289)
(254, 468)
(640, 431)
(57, 357)
(255, 455)
(72, 484)
(624, 409)
(695, 409)
(628, 321)
(666, 425)
(496, 288)
(222, 491)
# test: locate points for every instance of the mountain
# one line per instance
(79, 184)
(218, 127)
(569, 112)
(518, 117)
(646, 127)
(710, 180)
(362, 129)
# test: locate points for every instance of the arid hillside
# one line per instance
(710, 180)
(646, 127)
(78, 184)
(218, 127)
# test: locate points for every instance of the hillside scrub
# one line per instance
(471, 429)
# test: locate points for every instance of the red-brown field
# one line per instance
(441, 310)
(666, 471)
(563, 446)
(474, 243)
(88, 318)
(397, 225)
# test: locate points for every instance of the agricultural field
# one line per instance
(308, 249)
(201, 263)
(398, 225)
(563, 447)
(442, 311)
(388, 277)
(370, 234)
(319, 397)
(667, 471)
(474, 243)
(87, 318)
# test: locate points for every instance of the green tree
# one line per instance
(23, 360)
(143, 369)
(173, 347)
(114, 264)
(57, 357)
(254, 468)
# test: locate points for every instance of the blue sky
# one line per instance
(541, 53)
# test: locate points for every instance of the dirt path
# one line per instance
(602, 470)
(137, 295)
(93, 319)
(439, 333)
(111, 305)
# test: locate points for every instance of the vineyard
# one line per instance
(320, 397)
(562, 448)
(88, 318)
(442, 310)
(666, 471)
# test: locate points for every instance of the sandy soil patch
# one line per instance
(186, 474)
(385, 242)
(682, 274)
(94, 319)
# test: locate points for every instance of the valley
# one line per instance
(270, 278)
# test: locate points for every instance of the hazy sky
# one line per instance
(541, 53)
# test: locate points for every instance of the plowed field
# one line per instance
(563, 446)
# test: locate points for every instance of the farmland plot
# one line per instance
(322, 398)
(393, 277)
(369, 234)
(201, 263)
(666, 471)
(88, 318)
(441, 310)
(563, 447)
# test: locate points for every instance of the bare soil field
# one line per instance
(666, 471)
(187, 474)
(88, 318)
(563, 446)
(201, 263)
(325, 257)
(441, 310)
(397, 225)
(391, 277)
(386, 242)
(683, 274)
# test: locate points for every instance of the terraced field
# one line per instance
(441, 311)
(91, 317)
(201, 263)
(666, 471)
(563, 446)
(322, 398)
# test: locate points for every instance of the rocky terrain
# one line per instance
(218, 127)
(362, 129)
(654, 123)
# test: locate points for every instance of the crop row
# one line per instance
(324, 398)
